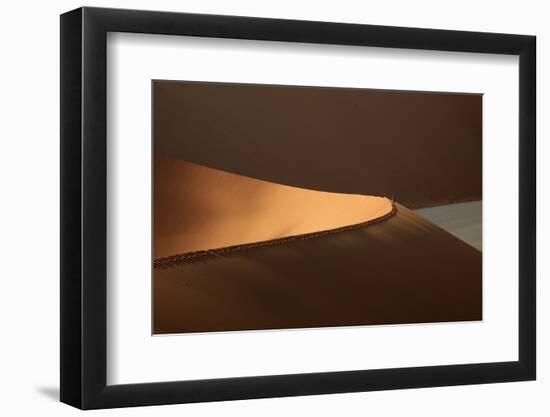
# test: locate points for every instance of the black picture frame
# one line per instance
(84, 209)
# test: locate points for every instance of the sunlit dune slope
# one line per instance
(199, 208)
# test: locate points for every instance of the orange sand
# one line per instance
(198, 208)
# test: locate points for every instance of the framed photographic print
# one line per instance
(257, 208)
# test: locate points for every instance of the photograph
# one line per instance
(259, 206)
(287, 207)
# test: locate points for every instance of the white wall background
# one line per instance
(29, 226)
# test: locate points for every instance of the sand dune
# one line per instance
(198, 208)
(403, 269)
(391, 267)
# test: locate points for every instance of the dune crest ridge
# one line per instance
(201, 210)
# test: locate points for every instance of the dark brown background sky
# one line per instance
(422, 149)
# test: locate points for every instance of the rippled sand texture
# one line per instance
(198, 208)
(403, 269)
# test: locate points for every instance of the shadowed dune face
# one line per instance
(199, 208)
(403, 269)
